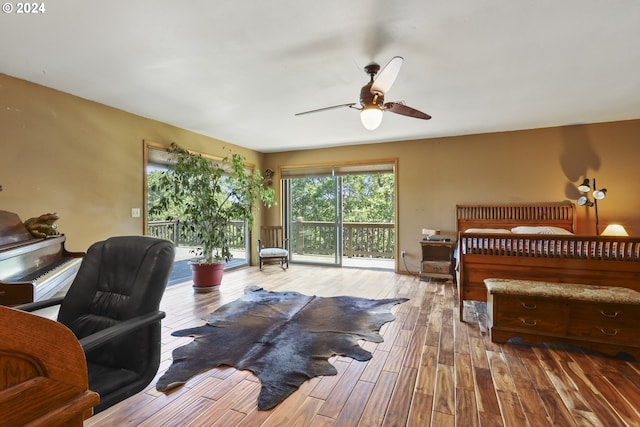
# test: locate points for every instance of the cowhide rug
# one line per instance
(285, 338)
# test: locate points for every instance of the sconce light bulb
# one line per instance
(600, 194)
(584, 187)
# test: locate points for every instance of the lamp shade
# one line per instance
(371, 117)
(430, 231)
(600, 194)
(584, 201)
(584, 187)
(614, 230)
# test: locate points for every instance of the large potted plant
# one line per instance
(207, 195)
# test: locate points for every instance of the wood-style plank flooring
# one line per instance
(431, 369)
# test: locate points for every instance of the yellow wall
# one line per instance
(83, 160)
(539, 165)
(80, 159)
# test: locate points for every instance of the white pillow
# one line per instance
(488, 230)
(543, 229)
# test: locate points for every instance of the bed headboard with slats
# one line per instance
(557, 214)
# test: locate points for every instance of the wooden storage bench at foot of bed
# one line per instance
(604, 318)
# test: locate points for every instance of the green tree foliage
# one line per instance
(368, 198)
(313, 198)
(365, 198)
(154, 193)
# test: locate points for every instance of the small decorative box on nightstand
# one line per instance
(437, 259)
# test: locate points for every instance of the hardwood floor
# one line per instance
(431, 369)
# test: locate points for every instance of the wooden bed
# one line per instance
(559, 258)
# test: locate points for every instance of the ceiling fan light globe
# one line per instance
(371, 117)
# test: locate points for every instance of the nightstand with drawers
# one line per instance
(437, 259)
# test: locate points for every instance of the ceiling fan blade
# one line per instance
(398, 108)
(351, 104)
(387, 76)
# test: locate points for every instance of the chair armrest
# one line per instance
(93, 341)
(34, 306)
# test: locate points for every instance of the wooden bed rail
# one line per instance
(623, 249)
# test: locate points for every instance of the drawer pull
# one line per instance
(534, 323)
(529, 306)
(611, 333)
(614, 314)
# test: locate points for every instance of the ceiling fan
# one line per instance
(372, 103)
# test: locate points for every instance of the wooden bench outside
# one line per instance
(603, 318)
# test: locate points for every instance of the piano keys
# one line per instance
(32, 269)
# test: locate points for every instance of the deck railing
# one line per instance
(360, 239)
(178, 232)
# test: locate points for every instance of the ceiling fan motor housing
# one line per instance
(372, 69)
(368, 98)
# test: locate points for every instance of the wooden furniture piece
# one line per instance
(273, 246)
(43, 373)
(592, 260)
(437, 259)
(603, 318)
(31, 268)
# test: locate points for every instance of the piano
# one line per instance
(32, 269)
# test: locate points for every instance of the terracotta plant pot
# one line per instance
(206, 276)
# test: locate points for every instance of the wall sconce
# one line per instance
(584, 187)
(600, 194)
(268, 175)
(597, 195)
(584, 201)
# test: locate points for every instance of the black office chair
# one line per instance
(112, 308)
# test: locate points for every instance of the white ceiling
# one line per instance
(238, 70)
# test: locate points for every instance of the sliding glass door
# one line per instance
(314, 219)
(340, 211)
